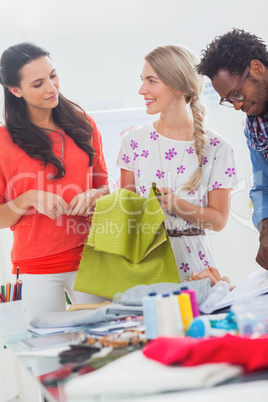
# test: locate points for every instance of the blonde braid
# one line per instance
(198, 112)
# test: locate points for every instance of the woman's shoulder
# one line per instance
(214, 138)
(4, 135)
(136, 132)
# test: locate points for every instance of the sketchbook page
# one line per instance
(254, 285)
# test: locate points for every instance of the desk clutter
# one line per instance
(11, 291)
(156, 334)
(12, 315)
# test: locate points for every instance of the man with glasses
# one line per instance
(237, 64)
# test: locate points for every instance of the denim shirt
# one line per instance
(259, 190)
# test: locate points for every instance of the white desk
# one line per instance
(20, 384)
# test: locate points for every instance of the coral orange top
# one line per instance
(35, 235)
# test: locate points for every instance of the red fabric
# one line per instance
(35, 235)
(67, 261)
(252, 354)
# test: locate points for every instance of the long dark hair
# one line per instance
(67, 115)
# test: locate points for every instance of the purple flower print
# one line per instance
(190, 150)
(180, 169)
(160, 174)
(205, 160)
(230, 172)
(206, 263)
(139, 173)
(142, 190)
(192, 192)
(202, 200)
(201, 256)
(170, 154)
(189, 250)
(135, 156)
(185, 267)
(133, 144)
(214, 141)
(154, 135)
(145, 153)
(126, 158)
(216, 185)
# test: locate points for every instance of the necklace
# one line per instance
(180, 167)
(62, 152)
(62, 149)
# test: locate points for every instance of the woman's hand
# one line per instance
(49, 204)
(213, 217)
(211, 273)
(168, 199)
(84, 203)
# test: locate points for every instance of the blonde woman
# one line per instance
(193, 168)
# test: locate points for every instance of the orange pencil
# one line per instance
(8, 292)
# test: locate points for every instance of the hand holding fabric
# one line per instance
(49, 204)
(84, 203)
(167, 199)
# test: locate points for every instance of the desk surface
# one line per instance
(242, 386)
(44, 362)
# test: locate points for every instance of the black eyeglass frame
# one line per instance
(236, 92)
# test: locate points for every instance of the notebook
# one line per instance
(254, 285)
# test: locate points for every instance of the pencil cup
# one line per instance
(12, 318)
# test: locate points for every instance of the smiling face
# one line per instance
(158, 96)
(39, 85)
(254, 88)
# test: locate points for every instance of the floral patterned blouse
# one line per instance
(170, 163)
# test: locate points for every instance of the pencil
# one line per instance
(2, 299)
(8, 291)
(14, 288)
(17, 296)
(3, 290)
(20, 290)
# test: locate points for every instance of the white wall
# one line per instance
(98, 47)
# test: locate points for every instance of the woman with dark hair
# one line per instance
(52, 170)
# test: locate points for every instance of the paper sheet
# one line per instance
(254, 285)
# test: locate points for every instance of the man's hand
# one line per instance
(262, 256)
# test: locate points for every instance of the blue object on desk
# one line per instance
(204, 326)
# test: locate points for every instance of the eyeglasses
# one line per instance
(236, 96)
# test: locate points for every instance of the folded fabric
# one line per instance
(134, 374)
(134, 296)
(252, 354)
(127, 245)
(84, 317)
